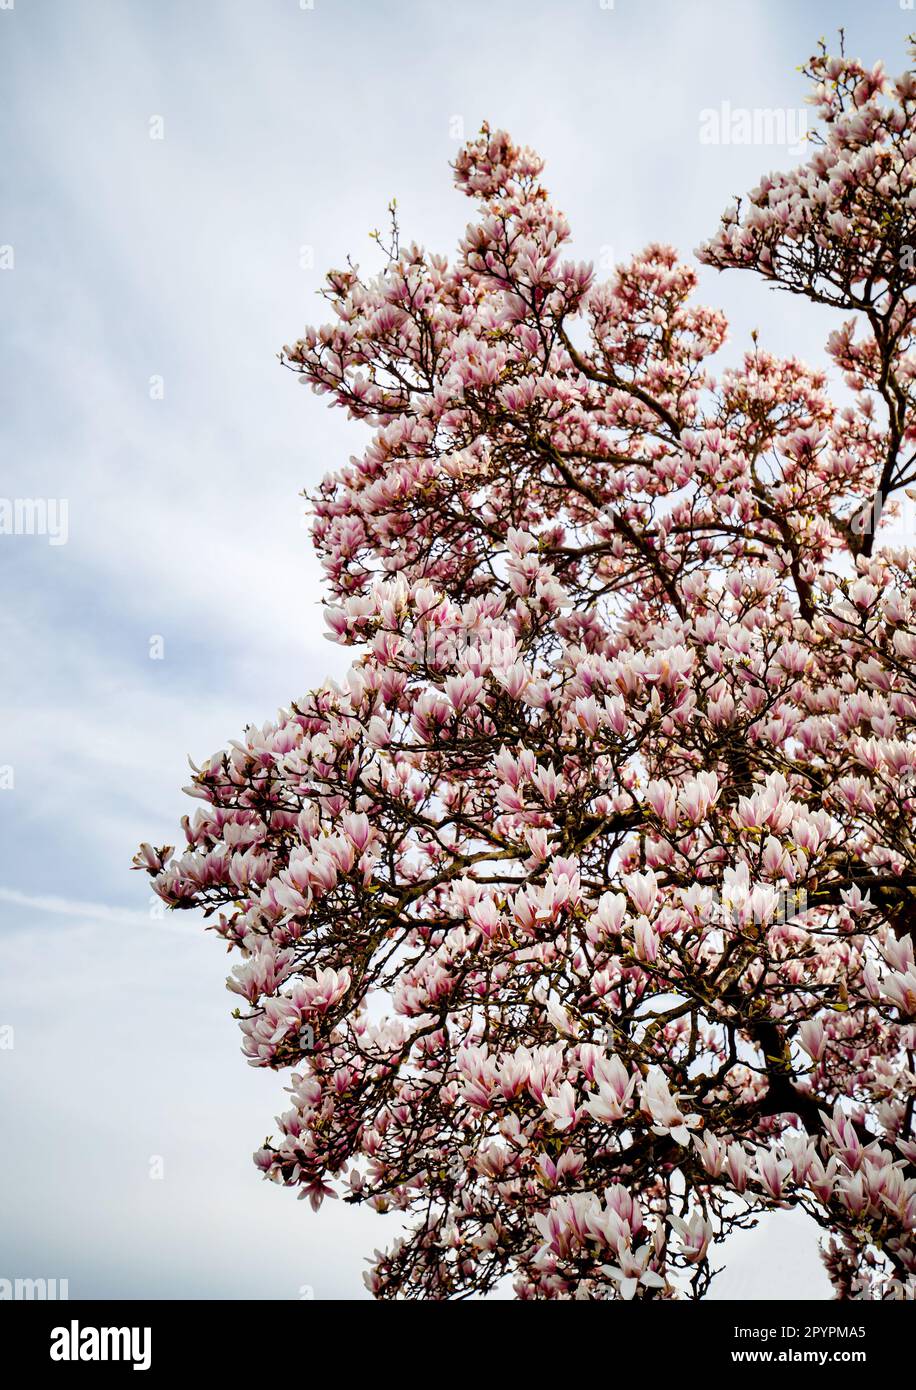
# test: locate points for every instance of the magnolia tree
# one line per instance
(581, 912)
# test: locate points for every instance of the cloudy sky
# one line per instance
(175, 179)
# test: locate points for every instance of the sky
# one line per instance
(175, 180)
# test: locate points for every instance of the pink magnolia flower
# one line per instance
(615, 1088)
(666, 1115)
(632, 1270)
(599, 855)
(642, 890)
(695, 1235)
(562, 1108)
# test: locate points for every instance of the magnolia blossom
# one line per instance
(695, 1235)
(666, 1115)
(579, 911)
(632, 1271)
(614, 1090)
